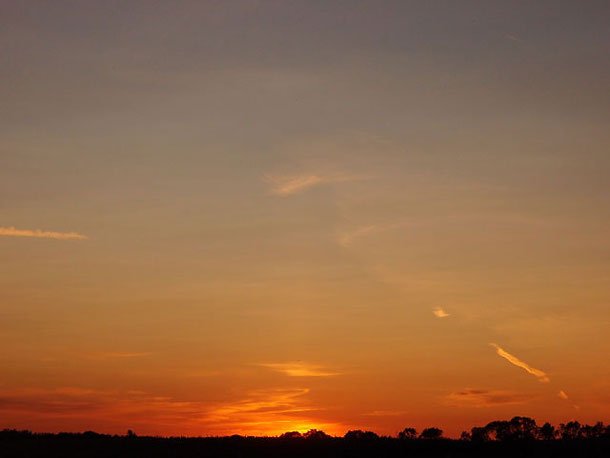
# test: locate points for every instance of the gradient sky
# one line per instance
(252, 217)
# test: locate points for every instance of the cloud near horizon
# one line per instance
(540, 375)
(263, 412)
(486, 398)
(287, 185)
(299, 369)
(37, 233)
(270, 412)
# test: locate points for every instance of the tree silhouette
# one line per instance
(358, 435)
(315, 434)
(291, 435)
(595, 431)
(431, 433)
(497, 430)
(518, 428)
(570, 430)
(479, 434)
(465, 436)
(523, 428)
(408, 433)
(519, 436)
(547, 432)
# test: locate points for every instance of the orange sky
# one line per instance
(256, 217)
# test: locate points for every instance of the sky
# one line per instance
(251, 217)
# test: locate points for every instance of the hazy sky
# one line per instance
(252, 217)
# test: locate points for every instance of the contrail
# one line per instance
(11, 231)
(541, 376)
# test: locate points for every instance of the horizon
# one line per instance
(250, 218)
(523, 428)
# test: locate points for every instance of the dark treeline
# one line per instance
(518, 437)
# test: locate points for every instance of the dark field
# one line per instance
(92, 445)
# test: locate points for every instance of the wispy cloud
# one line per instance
(512, 37)
(263, 412)
(385, 413)
(117, 355)
(563, 395)
(62, 401)
(486, 398)
(269, 412)
(13, 232)
(287, 185)
(278, 401)
(299, 369)
(440, 313)
(540, 375)
(347, 238)
(201, 373)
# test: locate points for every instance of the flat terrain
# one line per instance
(92, 445)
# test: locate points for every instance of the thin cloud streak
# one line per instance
(440, 313)
(512, 37)
(117, 355)
(264, 412)
(268, 412)
(298, 369)
(37, 233)
(540, 375)
(345, 239)
(385, 413)
(485, 398)
(562, 394)
(285, 186)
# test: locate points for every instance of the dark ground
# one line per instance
(92, 445)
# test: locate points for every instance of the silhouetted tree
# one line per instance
(358, 435)
(547, 432)
(511, 439)
(315, 434)
(479, 434)
(521, 428)
(291, 435)
(592, 432)
(518, 428)
(465, 436)
(570, 430)
(431, 433)
(498, 430)
(408, 433)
